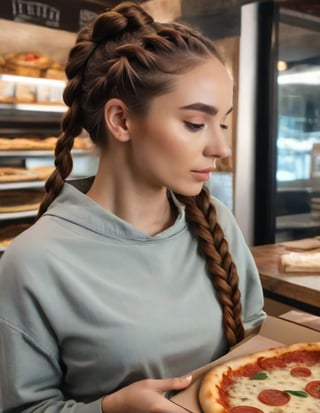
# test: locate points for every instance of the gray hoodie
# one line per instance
(88, 304)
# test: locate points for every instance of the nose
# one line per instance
(217, 146)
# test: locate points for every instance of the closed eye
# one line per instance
(194, 127)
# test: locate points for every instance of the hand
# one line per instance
(145, 396)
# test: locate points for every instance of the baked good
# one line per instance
(278, 380)
(43, 143)
(300, 262)
(42, 172)
(4, 144)
(18, 201)
(82, 142)
(27, 143)
(34, 143)
(301, 245)
(13, 174)
(7, 91)
(25, 93)
(9, 232)
(26, 64)
(15, 144)
(55, 71)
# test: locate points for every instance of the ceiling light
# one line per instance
(282, 65)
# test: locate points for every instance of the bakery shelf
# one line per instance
(22, 93)
(34, 107)
(21, 185)
(36, 154)
(16, 215)
(32, 80)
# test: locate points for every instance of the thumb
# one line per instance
(181, 382)
(175, 383)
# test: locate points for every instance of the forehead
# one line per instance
(209, 82)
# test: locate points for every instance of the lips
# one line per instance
(202, 174)
(204, 171)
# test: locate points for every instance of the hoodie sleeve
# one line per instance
(30, 377)
(30, 370)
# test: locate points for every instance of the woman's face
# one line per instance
(176, 144)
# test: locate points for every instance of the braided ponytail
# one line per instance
(72, 127)
(201, 215)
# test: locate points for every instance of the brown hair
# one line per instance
(125, 54)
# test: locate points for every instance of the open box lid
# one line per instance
(274, 332)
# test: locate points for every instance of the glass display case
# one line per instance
(298, 129)
(298, 121)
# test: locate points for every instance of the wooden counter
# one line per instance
(302, 290)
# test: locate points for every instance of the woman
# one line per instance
(116, 294)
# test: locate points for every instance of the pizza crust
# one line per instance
(209, 394)
(209, 391)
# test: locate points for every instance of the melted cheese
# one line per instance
(245, 391)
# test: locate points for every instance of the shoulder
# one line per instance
(32, 239)
(226, 219)
(221, 208)
(223, 211)
(27, 255)
(236, 242)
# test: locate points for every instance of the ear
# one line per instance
(115, 115)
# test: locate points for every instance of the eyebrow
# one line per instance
(203, 107)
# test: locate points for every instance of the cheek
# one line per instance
(165, 143)
(172, 141)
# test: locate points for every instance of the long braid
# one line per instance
(71, 125)
(201, 215)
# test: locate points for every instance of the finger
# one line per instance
(181, 382)
(175, 383)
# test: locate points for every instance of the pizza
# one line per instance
(278, 380)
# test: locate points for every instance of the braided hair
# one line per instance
(125, 54)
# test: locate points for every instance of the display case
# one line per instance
(298, 184)
(31, 111)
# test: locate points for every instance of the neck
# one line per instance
(147, 209)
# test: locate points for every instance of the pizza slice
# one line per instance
(279, 380)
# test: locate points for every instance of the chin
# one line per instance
(192, 190)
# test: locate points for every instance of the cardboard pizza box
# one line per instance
(274, 332)
(301, 317)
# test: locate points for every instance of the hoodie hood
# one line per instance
(74, 206)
